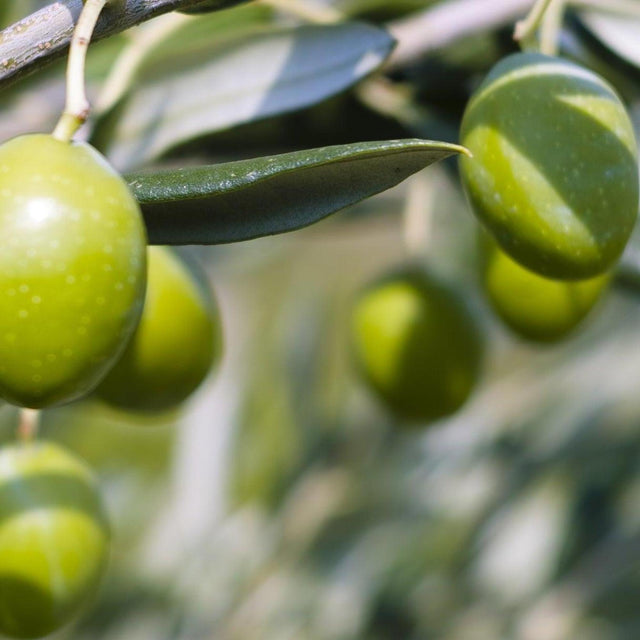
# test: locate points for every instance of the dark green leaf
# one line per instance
(264, 196)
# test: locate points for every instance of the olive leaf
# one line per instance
(264, 196)
(213, 5)
(617, 33)
(238, 80)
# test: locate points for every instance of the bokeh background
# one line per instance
(283, 501)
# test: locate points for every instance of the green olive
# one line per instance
(535, 307)
(554, 172)
(175, 345)
(416, 345)
(54, 539)
(72, 269)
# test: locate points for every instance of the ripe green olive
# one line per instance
(54, 539)
(72, 269)
(416, 345)
(175, 345)
(554, 172)
(537, 308)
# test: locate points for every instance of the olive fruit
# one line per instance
(54, 538)
(416, 345)
(537, 308)
(175, 344)
(72, 269)
(554, 172)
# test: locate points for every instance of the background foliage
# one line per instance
(283, 502)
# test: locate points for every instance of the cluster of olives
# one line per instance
(553, 178)
(88, 308)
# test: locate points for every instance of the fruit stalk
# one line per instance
(76, 110)
(525, 30)
(551, 27)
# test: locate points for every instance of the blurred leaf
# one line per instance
(618, 33)
(382, 9)
(264, 196)
(251, 77)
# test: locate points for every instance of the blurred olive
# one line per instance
(416, 345)
(54, 539)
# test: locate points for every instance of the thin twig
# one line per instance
(448, 22)
(128, 62)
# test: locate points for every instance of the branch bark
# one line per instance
(44, 36)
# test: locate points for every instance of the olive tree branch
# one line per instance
(45, 35)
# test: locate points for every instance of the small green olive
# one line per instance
(416, 345)
(537, 308)
(72, 269)
(175, 345)
(54, 539)
(554, 172)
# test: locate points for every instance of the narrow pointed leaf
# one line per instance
(264, 196)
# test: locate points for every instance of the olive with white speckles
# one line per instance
(554, 172)
(72, 269)
(176, 344)
(54, 539)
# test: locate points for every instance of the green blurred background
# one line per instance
(283, 502)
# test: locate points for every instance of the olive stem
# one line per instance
(76, 110)
(551, 27)
(29, 425)
(525, 31)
